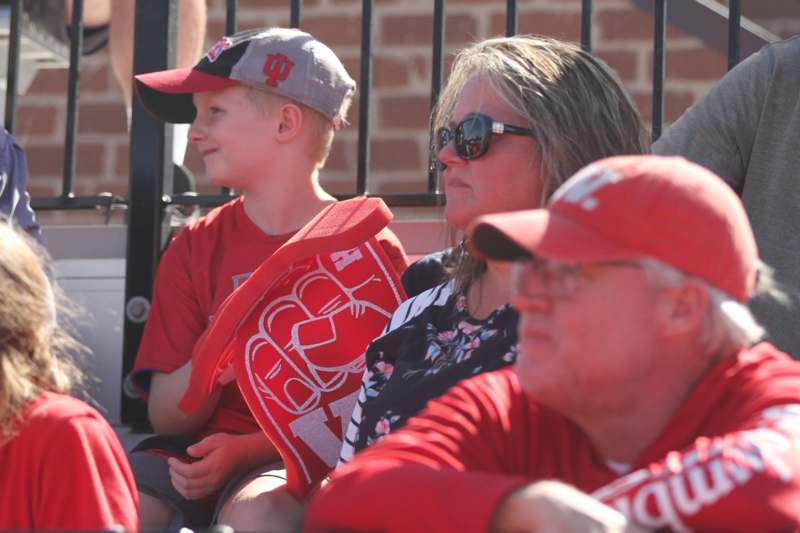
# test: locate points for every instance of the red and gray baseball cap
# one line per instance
(626, 207)
(287, 62)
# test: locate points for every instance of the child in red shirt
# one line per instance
(63, 467)
(264, 106)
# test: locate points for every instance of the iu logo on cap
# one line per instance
(218, 48)
(277, 68)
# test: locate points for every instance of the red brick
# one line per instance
(49, 81)
(102, 118)
(403, 186)
(626, 64)
(399, 154)
(36, 120)
(49, 160)
(334, 30)
(565, 26)
(675, 103)
(122, 162)
(94, 80)
(418, 29)
(695, 64)
(405, 112)
(90, 160)
(389, 72)
(266, 4)
(45, 160)
(353, 67)
(339, 158)
(770, 9)
(622, 24)
(43, 188)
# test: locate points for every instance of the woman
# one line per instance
(517, 117)
(62, 465)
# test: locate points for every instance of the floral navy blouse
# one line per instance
(430, 344)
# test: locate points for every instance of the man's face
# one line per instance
(585, 332)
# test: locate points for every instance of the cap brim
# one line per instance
(167, 94)
(539, 232)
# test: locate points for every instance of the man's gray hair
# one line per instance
(729, 324)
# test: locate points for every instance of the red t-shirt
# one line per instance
(203, 264)
(729, 459)
(65, 469)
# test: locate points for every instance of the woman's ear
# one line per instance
(684, 308)
(290, 122)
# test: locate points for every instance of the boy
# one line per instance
(264, 105)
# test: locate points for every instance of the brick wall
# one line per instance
(400, 98)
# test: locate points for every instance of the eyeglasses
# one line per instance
(472, 135)
(556, 279)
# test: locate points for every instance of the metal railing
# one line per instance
(151, 143)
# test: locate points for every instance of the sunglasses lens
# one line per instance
(472, 136)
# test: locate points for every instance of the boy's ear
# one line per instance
(290, 122)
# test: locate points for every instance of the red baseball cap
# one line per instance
(626, 207)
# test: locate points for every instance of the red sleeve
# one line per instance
(425, 476)
(394, 250)
(745, 480)
(176, 319)
(87, 483)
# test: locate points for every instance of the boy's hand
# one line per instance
(218, 462)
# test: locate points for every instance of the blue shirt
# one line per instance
(14, 198)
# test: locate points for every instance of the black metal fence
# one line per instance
(150, 184)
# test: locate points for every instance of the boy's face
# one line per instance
(233, 136)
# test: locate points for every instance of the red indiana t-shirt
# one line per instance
(203, 264)
(728, 460)
(65, 469)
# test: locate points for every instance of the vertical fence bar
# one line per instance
(230, 16)
(734, 24)
(586, 25)
(150, 175)
(73, 92)
(297, 13)
(437, 67)
(659, 56)
(12, 70)
(511, 18)
(363, 101)
(231, 25)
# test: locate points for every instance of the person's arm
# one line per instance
(555, 506)
(718, 131)
(424, 476)
(166, 390)
(177, 320)
(746, 480)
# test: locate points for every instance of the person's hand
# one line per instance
(218, 462)
(552, 506)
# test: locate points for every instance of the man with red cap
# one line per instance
(641, 397)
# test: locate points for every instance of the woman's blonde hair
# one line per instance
(35, 352)
(574, 103)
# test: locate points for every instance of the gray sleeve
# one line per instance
(14, 198)
(719, 130)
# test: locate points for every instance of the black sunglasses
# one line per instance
(472, 135)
